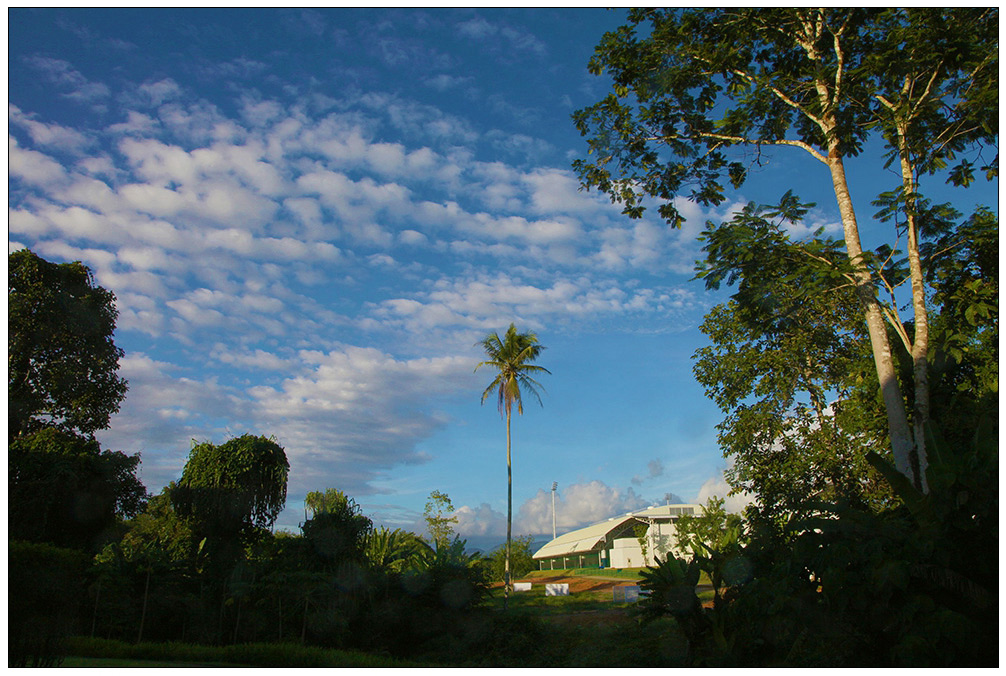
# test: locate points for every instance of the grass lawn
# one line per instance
(106, 662)
(628, 574)
(621, 573)
(94, 652)
(536, 603)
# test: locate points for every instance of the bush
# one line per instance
(521, 562)
(910, 586)
(44, 584)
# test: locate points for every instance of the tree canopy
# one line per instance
(235, 488)
(65, 490)
(62, 366)
(788, 364)
(439, 517)
(699, 94)
(337, 529)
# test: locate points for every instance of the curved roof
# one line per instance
(593, 536)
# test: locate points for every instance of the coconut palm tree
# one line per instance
(511, 357)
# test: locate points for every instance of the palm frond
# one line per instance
(511, 357)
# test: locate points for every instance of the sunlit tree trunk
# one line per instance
(902, 443)
(828, 94)
(920, 345)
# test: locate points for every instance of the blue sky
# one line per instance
(309, 217)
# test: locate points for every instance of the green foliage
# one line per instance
(712, 530)
(964, 273)
(62, 362)
(331, 500)
(789, 340)
(43, 584)
(448, 574)
(639, 530)
(235, 489)
(392, 550)
(63, 489)
(338, 530)
(699, 94)
(439, 522)
(671, 588)
(512, 358)
(521, 561)
(842, 586)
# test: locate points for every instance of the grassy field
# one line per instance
(535, 602)
(620, 573)
(92, 652)
(105, 662)
(585, 629)
(627, 574)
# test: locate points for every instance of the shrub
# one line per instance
(44, 585)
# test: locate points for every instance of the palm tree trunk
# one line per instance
(509, 513)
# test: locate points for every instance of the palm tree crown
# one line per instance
(512, 358)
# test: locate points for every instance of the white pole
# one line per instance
(555, 485)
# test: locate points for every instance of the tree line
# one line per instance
(91, 553)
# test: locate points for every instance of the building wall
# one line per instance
(626, 553)
(593, 559)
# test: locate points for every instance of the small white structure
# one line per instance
(557, 589)
(627, 593)
(521, 586)
(615, 542)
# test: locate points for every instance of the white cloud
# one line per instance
(52, 136)
(74, 85)
(576, 505)
(495, 300)
(514, 39)
(31, 166)
(718, 487)
(136, 123)
(203, 225)
(481, 520)
(444, 82)
(161, 91)
(352, 413)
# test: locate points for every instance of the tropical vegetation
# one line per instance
(866, 442)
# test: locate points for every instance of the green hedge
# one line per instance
(44, 586)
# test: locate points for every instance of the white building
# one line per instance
(615, 542)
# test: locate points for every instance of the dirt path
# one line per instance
(580, 584)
